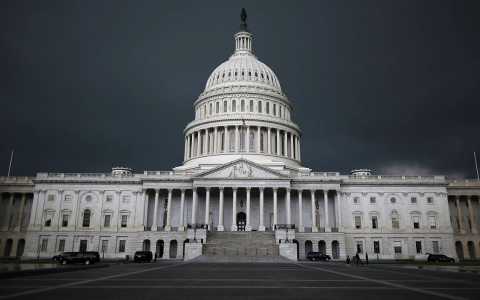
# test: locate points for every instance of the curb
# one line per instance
(25, 273)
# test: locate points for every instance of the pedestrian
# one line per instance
(366, 257)
(155, 257)
(348, 261)
(357, 257)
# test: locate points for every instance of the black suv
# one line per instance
(63, 254)
(440, 257)
(89, 257)
(145, 256)
(318, 255)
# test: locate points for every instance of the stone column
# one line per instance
(215, 140)
(198, 143)
(220, 212)
(314, 215)
(189, 146)
(181, 226)
(58, 208)
(36, 195)
(296, 147)
(248, 226)
(194, 206)
(205, 143)
(234, 210)
(225, 138)
(9, 212)
(278, 142)
(168, 226)
(301, 228)
(247, 142)
(261, 226)
(291, 147)
(155, 211)
(327, 223)
(145, 207)
(269, 141)
(338, 209)
(299, 151)
(258, 138)
(285, 144)
(237, 140)
(185, 149)
(470, 211)
(289, 215)
(166, 249)
(274, 207)
(20, 215)
(459, 215)
(207, 207)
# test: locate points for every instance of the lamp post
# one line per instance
(286, 230)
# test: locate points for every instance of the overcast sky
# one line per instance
(393, 86)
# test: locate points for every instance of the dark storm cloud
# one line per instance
(88, 85)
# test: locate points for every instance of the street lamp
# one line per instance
(165, 204)
(241, 202)
(316, 204)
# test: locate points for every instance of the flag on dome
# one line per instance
(243, 124)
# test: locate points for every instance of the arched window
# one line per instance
(242, 140)
(280, 111)
(274, 109)
(251, 145)
(261, 142)
(251, 105)
(267, 108)
(259, 106)
(243, 73)
(242, 105)
(224, 106)
(217, 107)
(205, 110)
(232, 141)
(211, 110)
(86, 218)
(395, 220)
(234, 106)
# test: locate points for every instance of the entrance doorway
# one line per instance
(241, 221)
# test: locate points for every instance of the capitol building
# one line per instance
(241, 191)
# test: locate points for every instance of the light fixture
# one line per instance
(316, 204)
(241, 202)
(165, 204)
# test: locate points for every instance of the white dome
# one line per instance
(243, 69)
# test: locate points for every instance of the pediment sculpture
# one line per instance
(241, 171)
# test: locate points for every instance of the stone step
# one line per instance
(239, 258)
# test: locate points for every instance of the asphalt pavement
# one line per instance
(189, 280)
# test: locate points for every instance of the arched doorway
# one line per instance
(322, 247)
(8, 248)
(335, 249)
(308, 247)
(173, 249)
(471, 249)
(241, 221)
(184, 242)
(159, 248)
(146, 245)
(298, 248)
(459, 249)
(20, 247)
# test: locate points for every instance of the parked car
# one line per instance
(318, 255)
(57, 257)
(89, 257)
(440, 257)
(145, 256)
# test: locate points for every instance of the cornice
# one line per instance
(18, 184)
(89, 182)
(240, 179)
(317, 181)
(393, 184)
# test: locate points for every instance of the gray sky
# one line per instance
(393, 86)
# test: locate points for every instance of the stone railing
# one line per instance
(395, 178)
(463, 182)
(86, 228)
(16, 179)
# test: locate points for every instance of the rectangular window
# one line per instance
(68, 198)
(51, 197)
(432, 222)
(397, 245)
(126, 198)
(106, 221)
(374, 222)
(44, 245)
(83, 246)
(429, 200)
(416, 222)
(65, 220)
(48, 219)
(110, 198)
(104, 246)
(395, 223)
(435, 247)
(124, 221)
(413, 200)
(373, 200)
(359, 247)
(61, 245)
(376, 247)
(418, 246)
(121, 246)
(356, 200)
(358, 222)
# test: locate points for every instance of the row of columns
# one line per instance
(9, 212)
(470, 212)
(192, 151)
(248, 227)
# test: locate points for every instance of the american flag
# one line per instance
(243, 124)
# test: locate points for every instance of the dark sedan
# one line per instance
(318, 255)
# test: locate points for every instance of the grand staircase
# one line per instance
(240, 246)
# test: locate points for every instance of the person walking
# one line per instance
(348, 261)
(357, 257)
(366, 257)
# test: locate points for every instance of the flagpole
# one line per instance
(476, 166)
(10, 166)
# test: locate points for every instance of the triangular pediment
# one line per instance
(242, 169)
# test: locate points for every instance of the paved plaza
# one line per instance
(190, 280)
